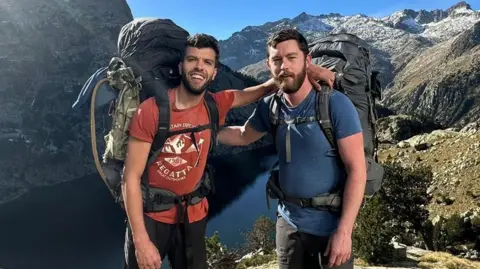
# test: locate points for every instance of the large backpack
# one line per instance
(348, 56)
(149, 51)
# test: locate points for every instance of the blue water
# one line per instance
(75, 225)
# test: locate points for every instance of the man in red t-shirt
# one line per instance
(181, 163)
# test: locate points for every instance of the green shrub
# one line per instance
(261, 236)
(399, 206)
(405, 195)
(218, 256)
(372, 236)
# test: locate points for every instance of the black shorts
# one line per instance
(300, 250)
(170, 241)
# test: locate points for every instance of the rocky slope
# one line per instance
(443, 82)
(454, 156)
(48, 49)
(428, 59)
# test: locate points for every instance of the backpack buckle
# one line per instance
(305, 203)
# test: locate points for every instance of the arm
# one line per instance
(137, 154)
(239, 135)
(252, 94)
(141, 129)
(255, 127)
(352, 153)
(348, 132)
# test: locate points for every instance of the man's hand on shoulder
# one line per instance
(317, 73)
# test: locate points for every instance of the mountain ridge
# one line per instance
(397, 43)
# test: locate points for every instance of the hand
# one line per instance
(317, 73)
(272, 85)
(339, 248)
(147, 255)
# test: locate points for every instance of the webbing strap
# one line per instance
(275, 114)
(330, 201)
(323, 115)
(214, 117)
(298, 120)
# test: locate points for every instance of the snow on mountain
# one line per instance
(394, 39)
(458, 21)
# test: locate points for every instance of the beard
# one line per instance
(289, 82)
(189, 86)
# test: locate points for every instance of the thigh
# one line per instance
(316, 247)
(159, 234)
(289, 246)
(188, 250)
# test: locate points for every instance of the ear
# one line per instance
(180, 68)
(268, 63)
(214, 73)
(308, 60)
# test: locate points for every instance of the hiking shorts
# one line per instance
(170, 241)
(301, 250)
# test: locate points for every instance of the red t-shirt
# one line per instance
(175, 168)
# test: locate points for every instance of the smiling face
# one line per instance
(198, 67)
(288, 60)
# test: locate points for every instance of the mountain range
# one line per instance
(418, 54)
(48, 49)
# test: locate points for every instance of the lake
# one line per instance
(76, 225)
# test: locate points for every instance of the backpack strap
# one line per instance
(163, 132)
(323, 115)
(214, 117)
(274, 113)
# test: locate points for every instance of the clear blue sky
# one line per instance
(222, 18)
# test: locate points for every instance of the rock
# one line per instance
(449, 200)
(471, 128)
(49, 49)
(423, 146)
(400, 251)
(403, 144)
(393, 129)
(429, 138)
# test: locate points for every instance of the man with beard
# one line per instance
(181, 163)
(307, 237)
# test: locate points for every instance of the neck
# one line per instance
(297, 97)
(184, 99)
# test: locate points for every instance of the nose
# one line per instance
(199, 65)
(285, 65)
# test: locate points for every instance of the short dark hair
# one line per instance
(288, 34)
(201, 41)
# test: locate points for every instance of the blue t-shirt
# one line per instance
(314, 167)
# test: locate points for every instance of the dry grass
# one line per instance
(441, 260)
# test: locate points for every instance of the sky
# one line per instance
(221, 18)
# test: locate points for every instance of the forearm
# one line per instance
(134, 208)
(251, 94)
(352, 199)
(232, 135)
